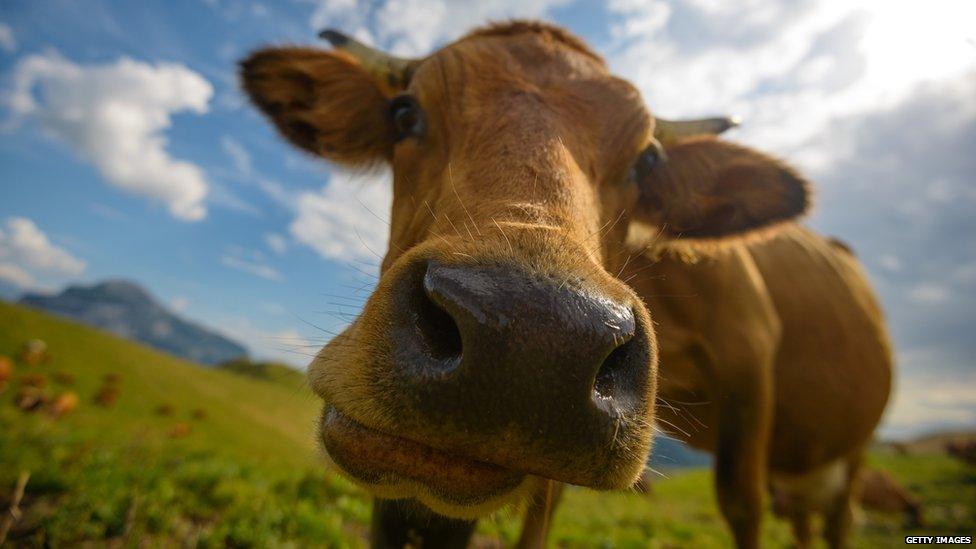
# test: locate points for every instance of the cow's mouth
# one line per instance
(392, 466)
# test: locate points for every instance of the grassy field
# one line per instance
(200, 457)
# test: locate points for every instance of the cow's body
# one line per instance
(798, 305)
(782, 336)
(774, 357)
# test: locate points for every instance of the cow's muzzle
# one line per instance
(496, 372)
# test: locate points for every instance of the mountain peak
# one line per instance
(118, 290)
(125, 308)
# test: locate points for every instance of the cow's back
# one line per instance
(833, 366)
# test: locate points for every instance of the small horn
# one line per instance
(669, 131)
(387, 69)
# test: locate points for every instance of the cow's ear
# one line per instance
(323, 102)
(704, 188)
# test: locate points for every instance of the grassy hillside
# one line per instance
(245, 416)
(213, 458)
(185, 453)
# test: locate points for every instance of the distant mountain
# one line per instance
(9, 291)
(125, 309)
(670, 453)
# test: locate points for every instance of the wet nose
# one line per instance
(495, 348)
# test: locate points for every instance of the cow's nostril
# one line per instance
(612, 391)
(439, 332)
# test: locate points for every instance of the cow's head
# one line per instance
(499, 347)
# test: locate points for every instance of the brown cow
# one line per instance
(963, 449)
(509, 341)
(879, 491)
(63, 404)
(34, 352)
(6, 368)
(6, 371)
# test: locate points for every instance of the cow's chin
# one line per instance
(389, 466)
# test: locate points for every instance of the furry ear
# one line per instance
(323, 102)
(710, 189)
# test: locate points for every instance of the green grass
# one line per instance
(247, 473)
(682, 510)
(246, 417)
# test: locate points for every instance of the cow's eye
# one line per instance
(647, 160)
(408, 117)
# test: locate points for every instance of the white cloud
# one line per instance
(416, 27)
(923, 403)
(251, 263)
(22, 241)
(28, 256)
(115, 115)
(891, 262)
(638, 17)
(238, 155)
(179, 304)
(8, 42)
(16, 276)
(928, 293)
(220, 194)
(789, 69)
(345, 219)
(107, 212)
(276, 191)
(245, 171)
(278, 243)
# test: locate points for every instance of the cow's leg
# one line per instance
(538, 517)
(406, 523)
(837, 521)
(802, 528)
(840, 513)
(789, 506)
(744, 419)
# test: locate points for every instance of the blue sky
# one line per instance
(127, 150)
